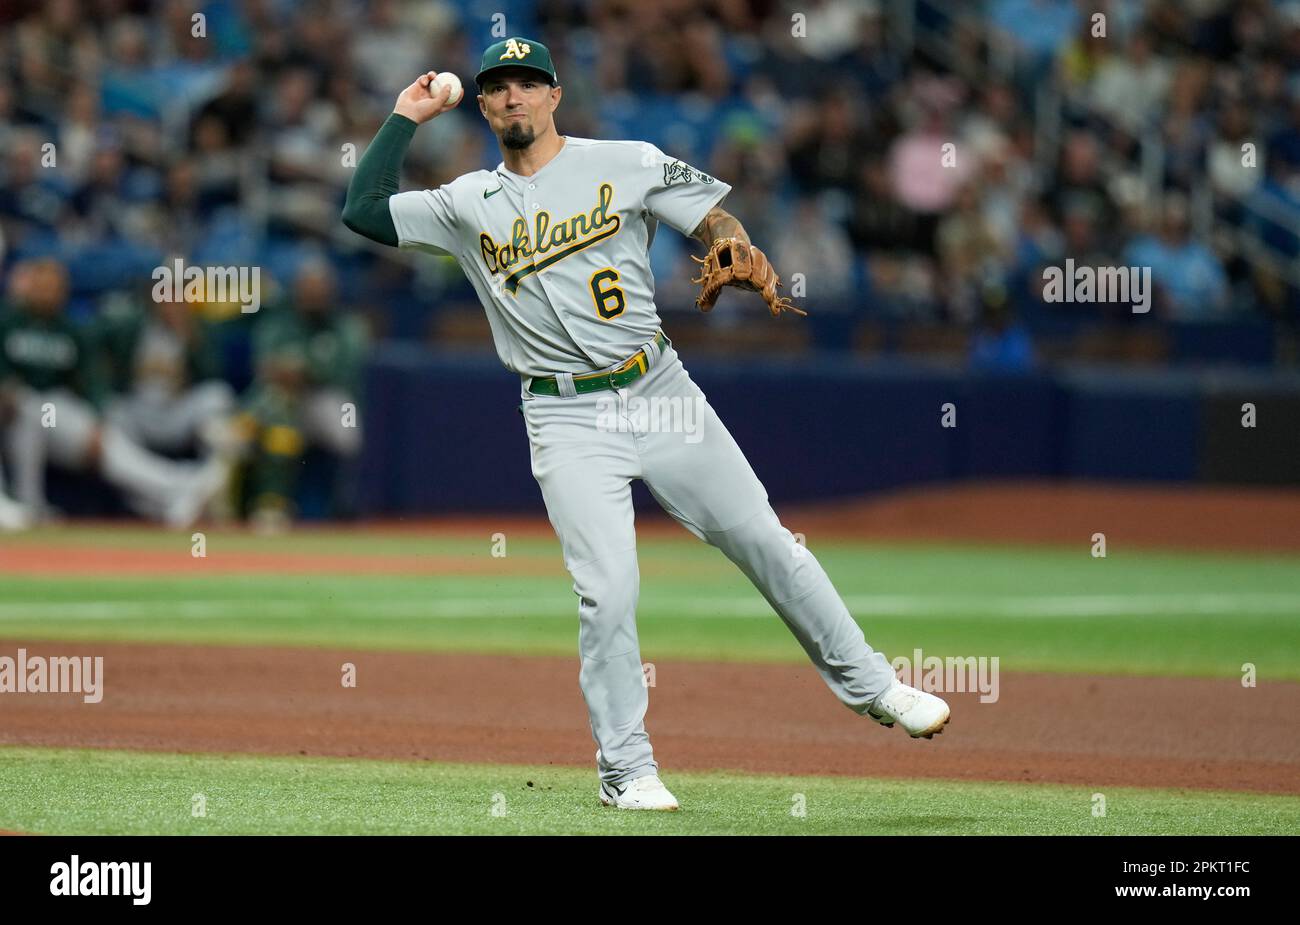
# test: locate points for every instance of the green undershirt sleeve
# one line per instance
(366, 209)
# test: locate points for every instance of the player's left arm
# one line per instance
(719, 223)
(733, 260)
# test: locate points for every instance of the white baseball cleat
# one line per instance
(646, 792)
(921, 714)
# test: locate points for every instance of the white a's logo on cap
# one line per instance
(516, 49)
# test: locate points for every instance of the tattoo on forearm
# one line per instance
(720, 224)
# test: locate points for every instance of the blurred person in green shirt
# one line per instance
(308, 358)
(53, 390)
(165, 373)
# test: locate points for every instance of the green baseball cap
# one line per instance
(517, 52)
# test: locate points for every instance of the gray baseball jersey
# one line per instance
(559, 259)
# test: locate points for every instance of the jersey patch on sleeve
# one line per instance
(675, 171)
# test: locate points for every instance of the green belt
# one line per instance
(625, 373)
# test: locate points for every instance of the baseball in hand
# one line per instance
(446, 79)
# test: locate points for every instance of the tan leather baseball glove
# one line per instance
(732, 262)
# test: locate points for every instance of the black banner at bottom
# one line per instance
(335, 874)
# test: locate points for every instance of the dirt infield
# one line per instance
(1182, 517)
(1237, 519)
(1087, 731)
(1173, 516)
(88, 560)
(1032, 512)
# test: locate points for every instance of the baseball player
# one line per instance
(13, 516)
(555, 241)
(309, 359)
(166, 372)
(51, 390)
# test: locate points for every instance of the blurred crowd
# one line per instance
(914, 162)
(137, 396)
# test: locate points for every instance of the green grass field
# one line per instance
(1136, 612)
(1039, 609)
(61, 791)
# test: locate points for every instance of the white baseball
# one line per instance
(447, 78)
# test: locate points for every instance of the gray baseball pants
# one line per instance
(586, 450)
(59, 426)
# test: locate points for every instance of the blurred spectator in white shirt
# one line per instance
(1130, 88)
(821, 252)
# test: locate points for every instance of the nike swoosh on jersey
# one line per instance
(487, 193)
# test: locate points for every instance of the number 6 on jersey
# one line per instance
(602, 296)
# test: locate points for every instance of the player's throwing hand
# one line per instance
(426, 98)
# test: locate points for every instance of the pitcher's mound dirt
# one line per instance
(1083, 730)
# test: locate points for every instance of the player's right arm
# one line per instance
(375, 181)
